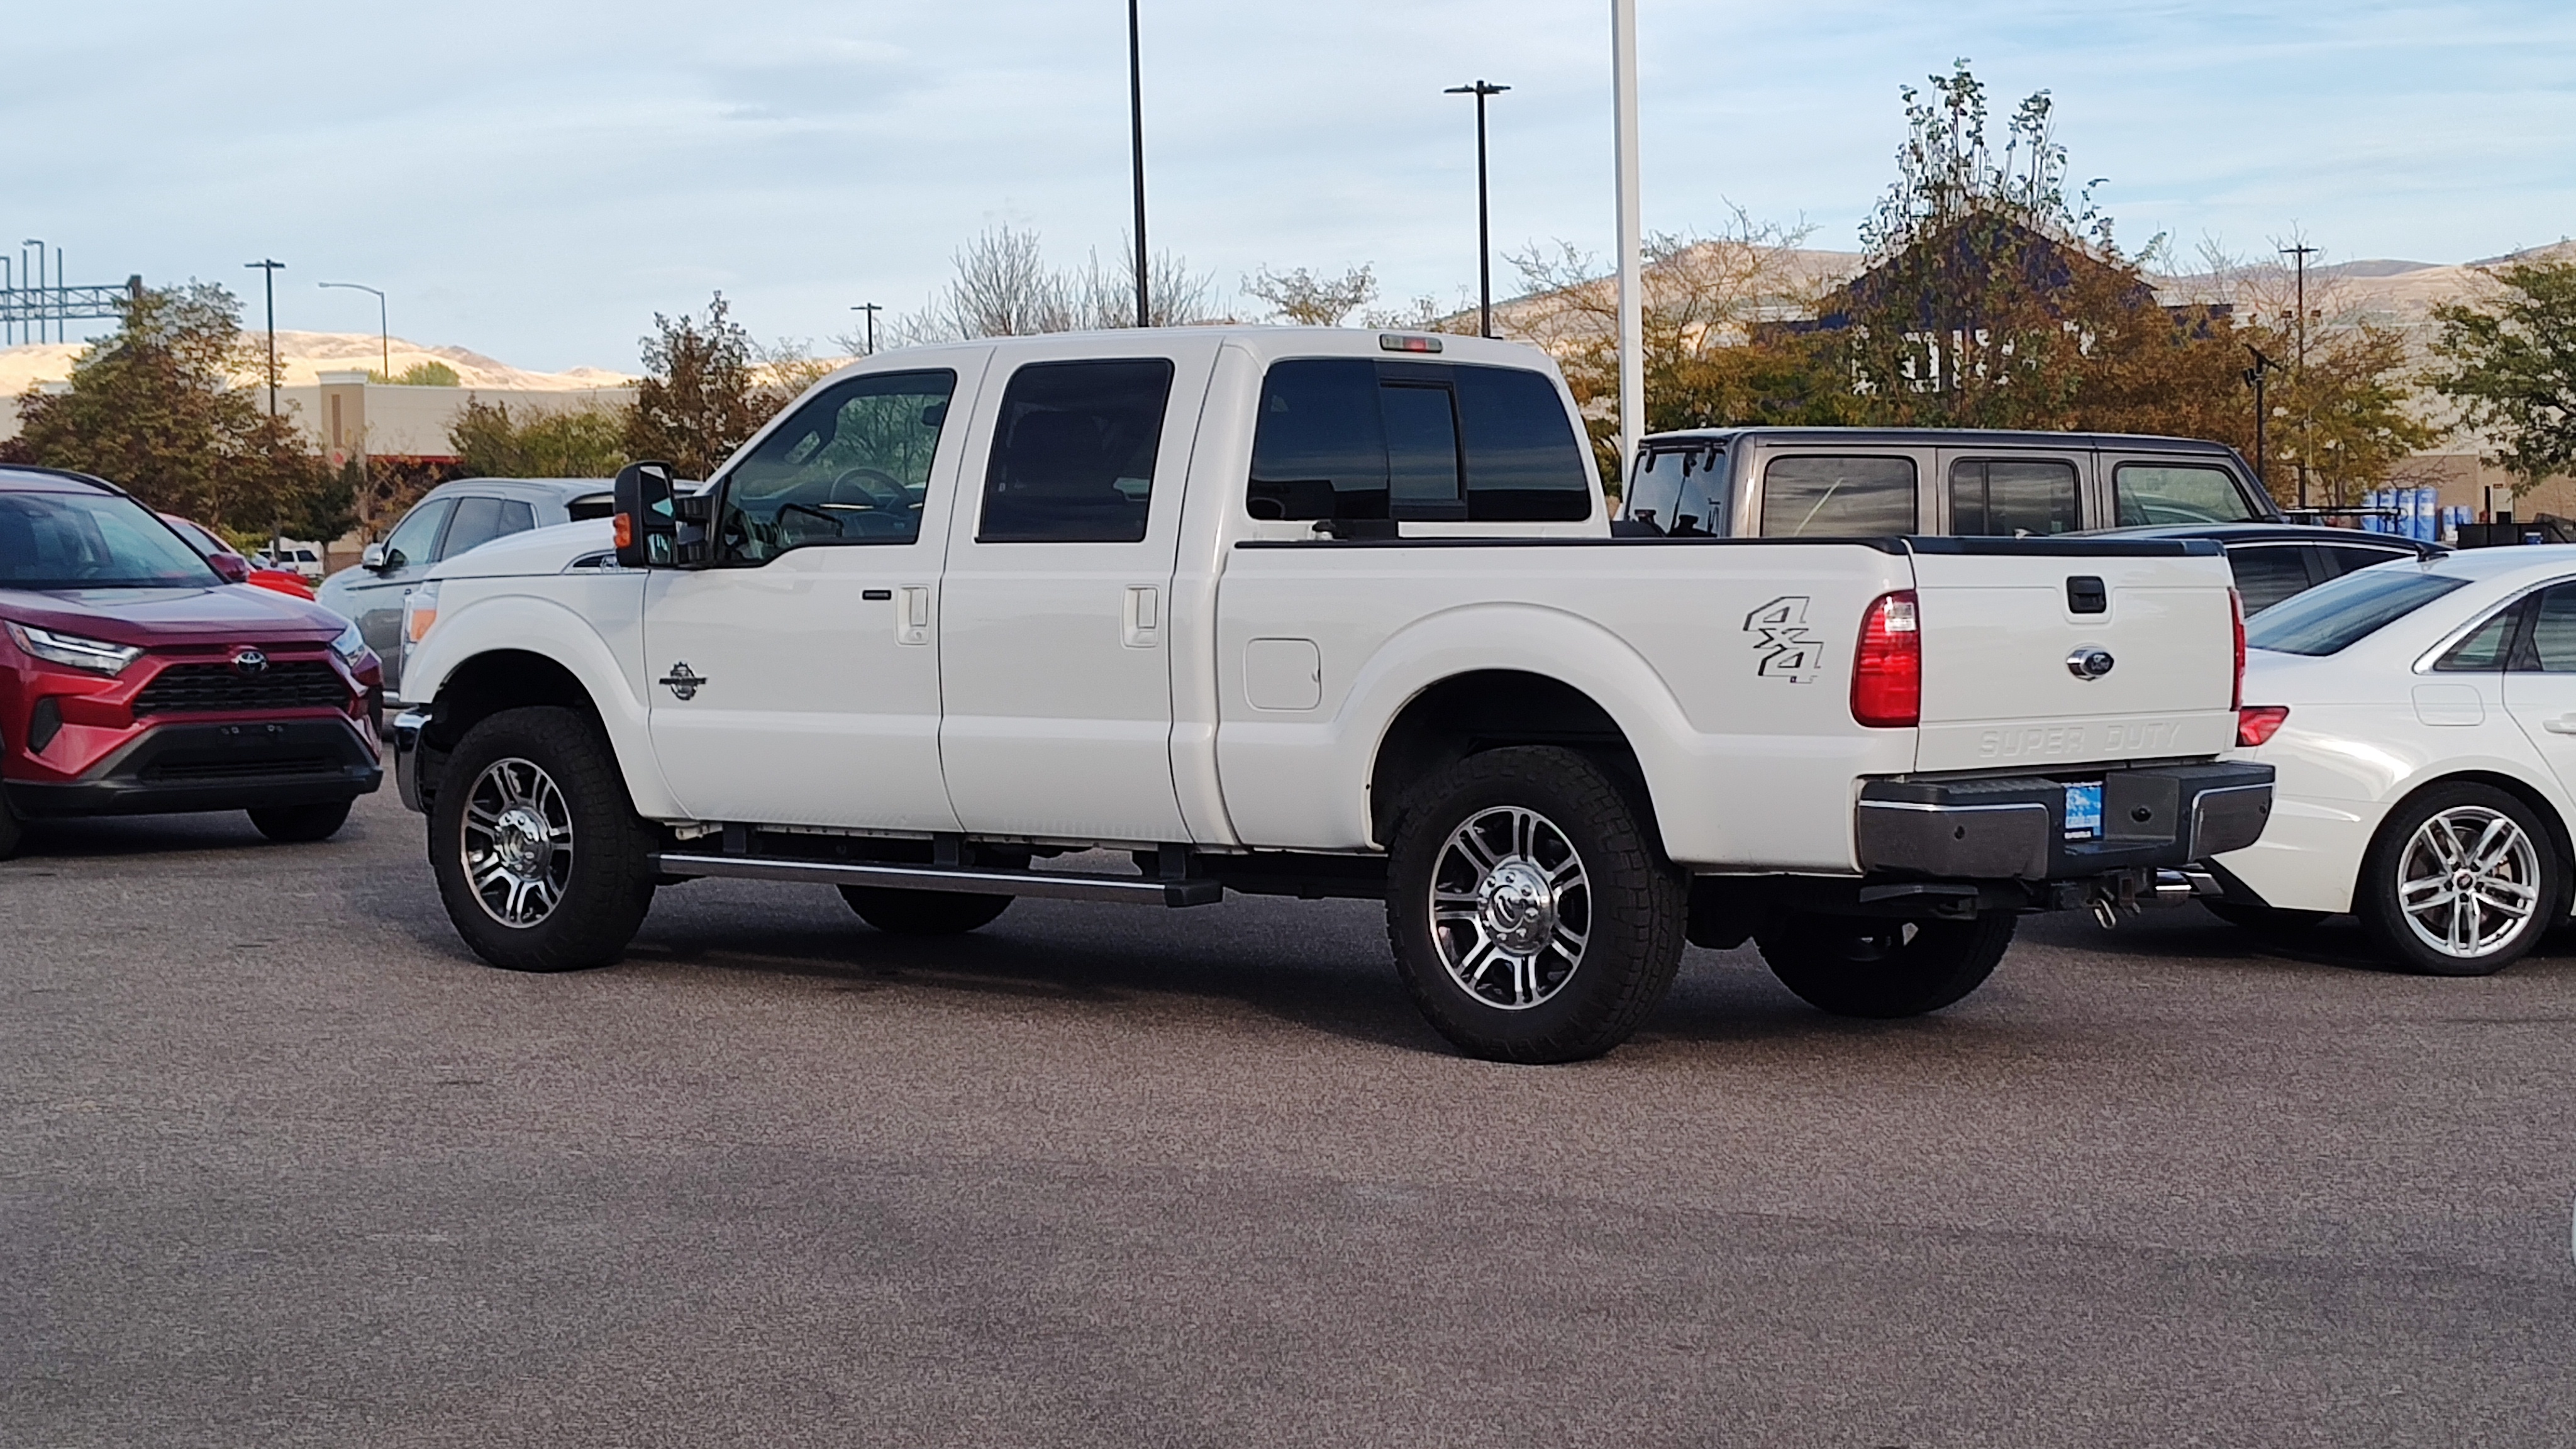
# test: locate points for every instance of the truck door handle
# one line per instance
(1142, 626)
(912, 618)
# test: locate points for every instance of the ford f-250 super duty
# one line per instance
(1317, 613)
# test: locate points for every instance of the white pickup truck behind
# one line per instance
(1317, 613)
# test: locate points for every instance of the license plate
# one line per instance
(2083, 812)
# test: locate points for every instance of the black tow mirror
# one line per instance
(648, 532)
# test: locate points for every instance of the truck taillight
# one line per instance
(2236, 613)
(2256, 723)
(1887, 672)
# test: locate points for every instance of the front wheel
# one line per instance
(539, 853)
(1533, 915)
(2461, 881)
(1882, 969)
(923, 913)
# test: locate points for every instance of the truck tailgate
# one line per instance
(2005, 621)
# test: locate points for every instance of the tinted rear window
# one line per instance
(2266, 574)
(1348, 438)
(2339, 613)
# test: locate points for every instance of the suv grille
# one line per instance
(219, 689)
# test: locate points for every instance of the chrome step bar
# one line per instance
(967, 880)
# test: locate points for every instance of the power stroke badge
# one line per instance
(1782, 647)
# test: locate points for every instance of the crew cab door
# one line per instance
(1054, 657)
(795, 681)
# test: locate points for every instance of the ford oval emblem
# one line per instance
(2089, 663)
(250, 661)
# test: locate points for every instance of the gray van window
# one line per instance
(1681, 491)
(2009, 497)
(1838, 497)
(2171, 493)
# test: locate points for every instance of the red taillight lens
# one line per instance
(2256, 723)
(2236, 612)
(1887, 672)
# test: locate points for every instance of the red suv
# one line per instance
(135, 679)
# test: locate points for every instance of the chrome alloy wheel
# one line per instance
(2468, 882)
(1511, 907)
(517, 842)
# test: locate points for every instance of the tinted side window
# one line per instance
(2488, 647)
(1073, 455)
(481, 520)
(2267, 574)
(851, 466)
(1838, 497)
(1319, 450)
(415, 538)
(1681, 491)
(2164, 493)
(2009, 497)
(1523, 462)
(2553, 633)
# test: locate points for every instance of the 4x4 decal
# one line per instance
(1781, 642)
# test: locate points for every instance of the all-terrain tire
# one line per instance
(923, 913)
(293, 824)
(2384, 919)
(1506, 997)
(1883, 969)
(601, 889)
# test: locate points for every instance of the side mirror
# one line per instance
(375, 559)
(646, 529)
(232, 566)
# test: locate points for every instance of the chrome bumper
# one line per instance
(2015, 828)
(407, 730)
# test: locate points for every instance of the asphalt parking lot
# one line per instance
(284, 1166)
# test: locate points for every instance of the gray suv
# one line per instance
(450, 519)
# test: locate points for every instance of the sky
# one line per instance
(536, 180)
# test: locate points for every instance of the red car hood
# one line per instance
(174, 616)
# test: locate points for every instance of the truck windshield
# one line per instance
(1681, 491)
(2339, 613)
(91, 541)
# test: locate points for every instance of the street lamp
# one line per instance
(1632, 280)
(1484, 219)
(1136, 135)
(384, 335)
(2299, 353)
(872, 309)
(268, 270)
(2255, 377)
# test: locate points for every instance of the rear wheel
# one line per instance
(1533, 916)
(539, 853)
(295, 823)
(1867, 967)
(923, 913)
(2461, 881)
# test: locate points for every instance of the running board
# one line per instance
(1052, 885)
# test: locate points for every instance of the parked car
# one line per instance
(2422, 718)
(1876, 482)
(447, 521)
(2273, 561)
(225, 557)
(133, 680)
(1309, 612)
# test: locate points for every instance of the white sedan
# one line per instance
(2422, 718)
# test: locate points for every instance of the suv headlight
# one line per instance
(420, 611)
(351, 646)
(74, 652)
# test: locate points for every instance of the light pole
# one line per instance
(2255, 377)
(9, 318)
(1484, 216)
(872, 309)
(268, 270)
(1632, 282)
(39, 296)
(1136, 136)
(2299, 254)
(384, 333)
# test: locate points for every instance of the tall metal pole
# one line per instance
(38, 298)
(9, 318)
(62, 305)
(1484, 218)
(1136, 133)
(268, 270)
(2299, 357)
(384, 330)
(1632, 300)
(872, 309)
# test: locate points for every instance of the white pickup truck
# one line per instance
(1314, 613)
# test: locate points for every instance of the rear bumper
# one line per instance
(2014, 828)
(242, 765)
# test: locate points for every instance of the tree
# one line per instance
(1306, 300)
(419, 374)
(154, 407)
(698, 401)
(2511, 367)
(1004, 288)
(492, 442)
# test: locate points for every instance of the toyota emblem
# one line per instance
(250, 661)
